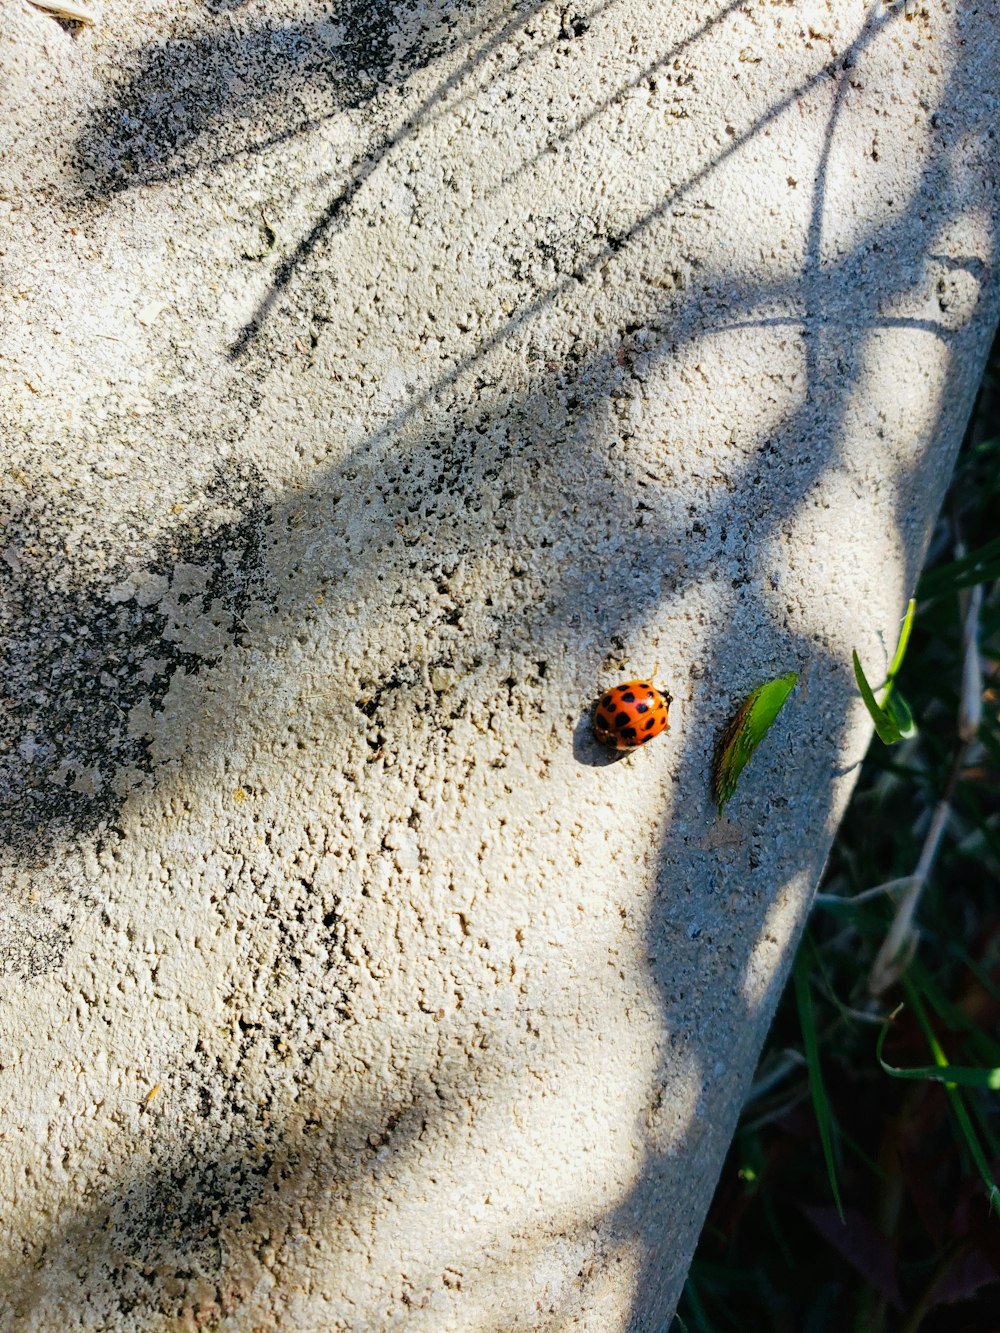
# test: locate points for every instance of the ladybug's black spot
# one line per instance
(642, 708)
(651, 723)
(606, 702)
(629, 733)
(622, 720)
(628, 697)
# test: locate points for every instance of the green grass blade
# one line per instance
(950, 1013)
(949, 1074)
(958, 1107)
(904, 639)
(745, 732)
(985, 1130)
(899, 713)
(980, 566)
(886, 730)
(892, 717)
(810, 1039)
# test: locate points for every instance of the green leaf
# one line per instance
(885, 728)
(810, 1039)
(899, 712)
(892, 717)
(745, 732)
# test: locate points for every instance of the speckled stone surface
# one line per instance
(377, 386)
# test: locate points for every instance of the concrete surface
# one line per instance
(378, 385)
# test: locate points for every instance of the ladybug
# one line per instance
(631, 714)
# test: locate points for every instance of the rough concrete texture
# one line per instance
(379, 384)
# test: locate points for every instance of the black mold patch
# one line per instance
(79, 659)
(189, 1202)
(29, 947)
(196, 100)
(173, 1216)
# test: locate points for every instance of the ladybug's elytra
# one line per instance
(631, 714)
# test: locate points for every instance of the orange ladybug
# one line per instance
(631, 714)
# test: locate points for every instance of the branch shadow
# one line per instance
(834, 357)
(199, 102)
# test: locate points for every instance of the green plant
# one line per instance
(892, 716)
(745, 732)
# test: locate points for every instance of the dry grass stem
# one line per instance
(899, 945)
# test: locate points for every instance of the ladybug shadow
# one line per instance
(588, 750)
